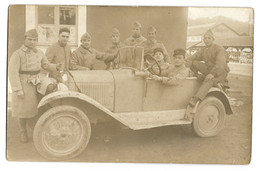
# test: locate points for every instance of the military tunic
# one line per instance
(26, 60)
(113, 49)
(214, 62)
(149, 47)
(57, 53)
(214, 58)
(132, 41)
(175, 75)
(84, 59)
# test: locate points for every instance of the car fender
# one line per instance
(222, 96)
(215, 92)
(72, 94)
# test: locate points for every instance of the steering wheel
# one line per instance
(151, 65)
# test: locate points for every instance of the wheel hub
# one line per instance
(62, 134)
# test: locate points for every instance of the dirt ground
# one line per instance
(170, 144)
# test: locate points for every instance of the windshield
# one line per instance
(131, 56)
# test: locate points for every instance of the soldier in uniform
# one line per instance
(60, 52)
(176, 73)
(151, 43)
(136, 38)
(159, 56)
(84, 56)
(211, 62)
(113, 48)
(26, 80)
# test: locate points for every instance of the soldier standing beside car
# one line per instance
(83, 58)
(60, 52)
(151, 43)
(136, 38)
(211, 63)
(26, 80)
(176, 73)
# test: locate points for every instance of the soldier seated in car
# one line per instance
(84, 57)
(159, 57)
(173, 74)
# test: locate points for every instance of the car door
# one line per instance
(159, 96)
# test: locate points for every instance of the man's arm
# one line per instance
(103, 56)
(174, 80)
(218, 69)
(13, 72)
(50, 53)
(74, 63)
(46, 64)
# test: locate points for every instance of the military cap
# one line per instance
(31, 33)
(64, 29)
(179, 52)
(85, 36)
(209, 33)
(137, 24)
(115, 31)
(151, 29)
(158, 50)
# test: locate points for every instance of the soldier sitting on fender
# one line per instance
(26, 80)
(214, 66)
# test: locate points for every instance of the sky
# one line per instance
(239, 14)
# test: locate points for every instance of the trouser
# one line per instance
(22, 124)
(207, 84)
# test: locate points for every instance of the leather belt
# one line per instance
(29, 72)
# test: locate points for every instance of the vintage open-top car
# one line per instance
(127, 95)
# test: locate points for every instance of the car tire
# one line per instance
(61, 133)
(209, 118)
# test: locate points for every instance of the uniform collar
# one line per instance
(84, 50)
(151, 41)
(26, 49)
(137, 38)
(61, 45)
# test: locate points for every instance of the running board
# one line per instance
(159, 124)
(152, 119)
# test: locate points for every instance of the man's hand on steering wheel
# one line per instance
(151, 62)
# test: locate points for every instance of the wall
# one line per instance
(171, 24)
(16, 28)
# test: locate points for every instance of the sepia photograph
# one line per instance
(129, 84)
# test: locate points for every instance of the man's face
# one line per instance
(30, 42)
(179, 60)
(115, 39)
(136, 31)
(64, 38)
(208, 40)
(151, 35)
(86, 42)
(158, 56)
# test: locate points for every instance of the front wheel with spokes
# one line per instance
(61, 133)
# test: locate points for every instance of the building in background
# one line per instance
(239, 46)
(171, 24)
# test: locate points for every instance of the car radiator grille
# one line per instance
(102, 93)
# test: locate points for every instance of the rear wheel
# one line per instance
(61, 133)
(209, 118)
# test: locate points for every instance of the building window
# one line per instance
(51, 18)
